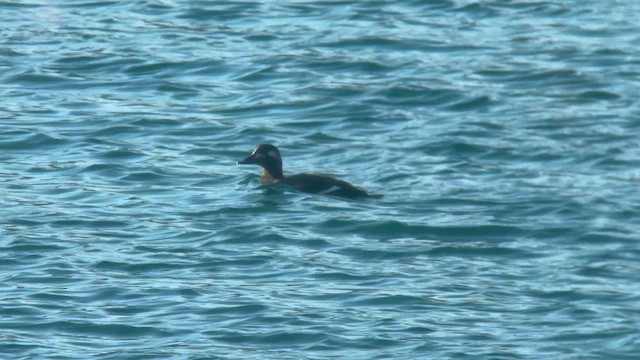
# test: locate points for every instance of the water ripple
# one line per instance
(501, 134)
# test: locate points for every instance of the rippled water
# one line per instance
(502, 134)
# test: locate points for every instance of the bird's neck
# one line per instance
(271, 176)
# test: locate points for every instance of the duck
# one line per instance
(269, 158)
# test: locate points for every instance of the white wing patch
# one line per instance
(330, 190)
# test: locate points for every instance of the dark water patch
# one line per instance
(612, 162)
(121, 154)
(15, 4)
(255, 238)
(434, 6)
(261, 108)
(178, 89)
(365, 254)
(482, 251)
(33, 248)
(261, 37)
(586, 335)
(306, 9)
(93, 4)
(598, 95)
(289, 338)
(94, 64)
(102, 295)
(592, 32)
(558, 232)
(48, 168)
(274, 338)
(57, 298)
(314, 243)
(373, 42)
(16, 133)
(478, 9)
(605, 271)
(169, 68)
(109, 170)
(10, 52)
(90, 224)
(155, 123)
(477, 103)
(81, 107)
(77, 59)
(157, 177)
(227, 11)
(319, 137)
(541, 77)
(33, 142)
(347, 65)
(394, 44)
(9, 312)
(537, 8)
(371, 344)
(608, 51)
(244, 310)
(162, 251)
(140, 268)
(417, 95)
(628, 350)
(15, 263)
(115, 130)
(457, 148)
(331, 91)
(41, 80)
(395, 229)
(20, 346)
(118, 331)
(340, 276)
(231, 211)
(412, 302)
(157, 267)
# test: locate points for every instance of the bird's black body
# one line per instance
(268, 156)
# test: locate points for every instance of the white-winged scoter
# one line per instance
(268, 156)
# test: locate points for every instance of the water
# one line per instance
(502, 134)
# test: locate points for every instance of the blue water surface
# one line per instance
(504, 136)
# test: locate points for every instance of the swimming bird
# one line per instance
(268, 156)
